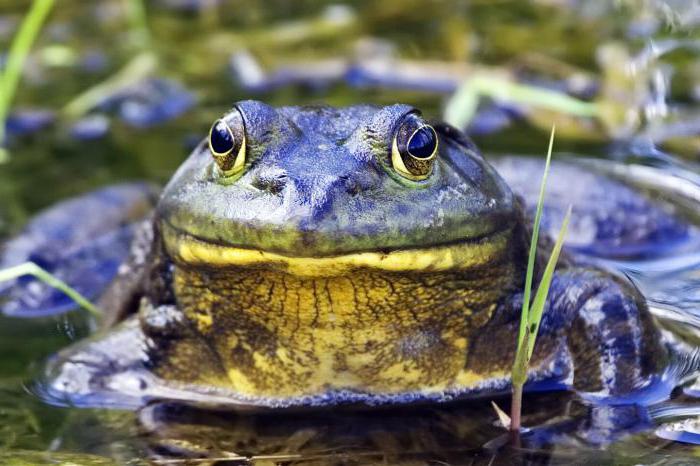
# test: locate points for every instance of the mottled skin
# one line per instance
(319, 275)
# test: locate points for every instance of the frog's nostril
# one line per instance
(272, 183)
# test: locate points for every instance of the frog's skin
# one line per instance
(318, 274)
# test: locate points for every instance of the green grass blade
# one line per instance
(524, 316)
(138, 22)
(540, 300)
(531, 315)
(16, 57)
(141, 66)
(462, 106)
(30, 268)
(519, 372)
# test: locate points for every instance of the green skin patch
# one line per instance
(320, 182)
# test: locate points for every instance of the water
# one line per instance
(210, 54)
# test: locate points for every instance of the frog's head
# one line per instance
(321, 189)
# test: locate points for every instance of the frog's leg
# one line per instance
(152, 354)
(597, 425)
(82, 241)
(609, 219)
(596, 336)
(612, 343)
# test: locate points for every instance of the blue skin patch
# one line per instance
(81, 241)
(609, 219)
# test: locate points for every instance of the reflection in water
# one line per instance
(454, 434)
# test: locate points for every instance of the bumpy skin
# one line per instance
(319, 275)
(609, 219)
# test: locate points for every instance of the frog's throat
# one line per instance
(465, 255)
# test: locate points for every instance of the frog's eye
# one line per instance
(227, 143)
(414, 149)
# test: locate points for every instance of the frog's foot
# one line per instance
(104, 370)
(616, 352)
(120, 367)
(609, 218)
(81, 241)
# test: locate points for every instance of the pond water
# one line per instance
(105, 99)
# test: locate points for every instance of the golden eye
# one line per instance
(227, 143)
(414, 149)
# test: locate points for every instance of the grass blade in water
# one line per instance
(30, 268)
(15, 60)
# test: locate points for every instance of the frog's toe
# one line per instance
(81, 241)
(609, 218)
(122, 367)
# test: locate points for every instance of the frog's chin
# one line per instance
(464, 255)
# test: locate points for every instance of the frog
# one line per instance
(315, 256)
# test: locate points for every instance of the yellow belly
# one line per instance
(375, 322)
(281, 335)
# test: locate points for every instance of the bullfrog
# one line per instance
(315, 256)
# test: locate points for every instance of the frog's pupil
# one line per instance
(221, 139)
(422, 143)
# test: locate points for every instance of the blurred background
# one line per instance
(123, 89)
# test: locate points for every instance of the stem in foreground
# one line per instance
(516, 406)
(519, 377)
(19, 49)
(531, 313)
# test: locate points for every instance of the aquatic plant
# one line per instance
(138, 68)
(136, 13)
(531, 314)
(30, 268)
(21, 44)
(462, 106)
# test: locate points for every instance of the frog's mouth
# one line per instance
(187, 249)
